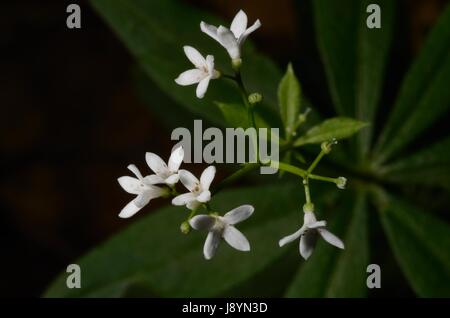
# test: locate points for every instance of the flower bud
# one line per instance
(341, 182)
(185, 228)
(326, 146)
(254, 98)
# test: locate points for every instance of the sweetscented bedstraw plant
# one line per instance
(163, 182)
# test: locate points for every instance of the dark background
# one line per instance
(71, 121)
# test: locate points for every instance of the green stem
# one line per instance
(315, 162)
(322, 178)
(307, 193)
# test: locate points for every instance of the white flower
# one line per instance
(203, 72)
(164, 173)
(219, 227)
(308, 235)
(140, 186)
(231, 39)
(199, 190)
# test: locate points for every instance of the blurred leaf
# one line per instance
(153, 255)
(424, 95)
(331, 272)
(420, 243)
(354, 57)
(156, 40)
(430, 166)
(338, 128)
(372, 58)
(289, 99)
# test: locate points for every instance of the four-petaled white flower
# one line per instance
(199, 189)
(219, 227)
(231, 39)
(202, 74)
(142, 187)
(165, 173)
(308, 235)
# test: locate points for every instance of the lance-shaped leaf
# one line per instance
(289, 99)
(420, 243)
(334, 128)
(424, 95)
(330, 272)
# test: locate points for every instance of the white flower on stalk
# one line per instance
(308, 235)
(165, 173)
(144, 190)
(199, 189)
(202, 74)
(219, 227)
(231, 39)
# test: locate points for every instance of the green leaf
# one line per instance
(429, 166)
(424, 95)
(156, 41)
(289, 99)
(331, 272)
(420, 243)
(354, 56)
(153, 256)
(338, 128)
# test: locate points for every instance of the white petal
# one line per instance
(202, 222)
(157, 165)
(194, 56)
(307, 243)
(238, 214)
(331, 238)
(247, 32)
(136, 171)
(176, 158)
(183, 199)
(144, 198)
(211, 30)
(190, 77)
(172, 179)
(188, 180)
(317, 224)
(193, 205)
(229, 42)
(202, 87)
(205, 196)
(207, 177)
(291, 237)
(153, 179)
(211, 244)
(130, 184)
(239, 24)
(129, 210)
(210, 66)
(236, 239)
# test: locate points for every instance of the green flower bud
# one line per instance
(255, 98)
(185, 228)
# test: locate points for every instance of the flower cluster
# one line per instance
(163, 181)
(162, 184)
